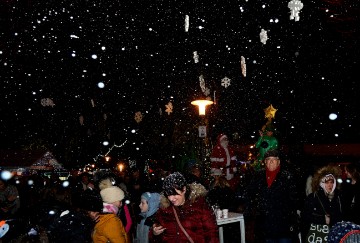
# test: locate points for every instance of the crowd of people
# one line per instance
(276, 201)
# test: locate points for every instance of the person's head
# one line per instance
(328, 183)
(3, 184)
(223, 140)
(150, 203)
(272, 160)
(92, 203)
(175, 188)
(111, 194)
(196, 171)
(85, 178)
(221, 182)
(352, 172)
(216, 173)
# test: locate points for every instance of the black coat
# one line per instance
(317, 205)
(274, 207)
(351, 202)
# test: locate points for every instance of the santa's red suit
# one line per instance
(223, 157)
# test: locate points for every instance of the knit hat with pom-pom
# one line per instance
(110, 193)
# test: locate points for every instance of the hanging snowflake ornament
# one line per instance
(263, 36)
(81, 120)
(138, 116)
(47, 102)
(169, 108)
(196, 57)
(202, 83)
(225, 82)
(295, 6)
(187, 23)
(243, 66)
(207, 92)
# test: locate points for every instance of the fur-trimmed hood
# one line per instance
(319, 174)
(196, 191)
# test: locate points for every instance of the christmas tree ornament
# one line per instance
(295, 6)
(202, 83)
(225, 82)
(187, 23)
(138, 116)
(196, 57)
(47, 102)
(81, 120)
(263, 36)
(243, 66)
(169, 108)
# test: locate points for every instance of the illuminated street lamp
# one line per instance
(202, 105)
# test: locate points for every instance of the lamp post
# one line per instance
(202, 103)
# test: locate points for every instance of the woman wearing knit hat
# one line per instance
(323, 206)
(112, 197)
(149, 205)
(184, 215)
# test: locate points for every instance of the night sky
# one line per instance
(54, 56)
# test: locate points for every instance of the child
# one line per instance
(149, 205)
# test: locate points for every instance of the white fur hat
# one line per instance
(112, 194)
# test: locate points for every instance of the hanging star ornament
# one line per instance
(270, 112)
(169, 108)
(138, 116)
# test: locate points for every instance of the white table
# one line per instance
(233, 217)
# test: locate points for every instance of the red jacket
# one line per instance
(195, 216)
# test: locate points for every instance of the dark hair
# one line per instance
(353, 171)
(173, 182)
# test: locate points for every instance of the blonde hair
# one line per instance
(221, 182)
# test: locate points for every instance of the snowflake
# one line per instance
(169, 108)
(225, 82)
(243, 66)
(295, 6)
(138, 116)
(47, 102)
(263, 36)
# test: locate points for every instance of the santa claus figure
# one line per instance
(223, 157)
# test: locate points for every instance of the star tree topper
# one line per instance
(270, 112)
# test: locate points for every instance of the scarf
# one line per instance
(271, 175)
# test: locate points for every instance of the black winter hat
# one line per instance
(272, 153)
(91, 201)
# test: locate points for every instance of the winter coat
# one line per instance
(273, 208)
(147, 219)
(195, 216)
(313, 211)
(219, 158)
(351, 202)
(109, 228)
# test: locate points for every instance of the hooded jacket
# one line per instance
(147, 218)
(195, 216)
(319, 203)
(109, 228)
